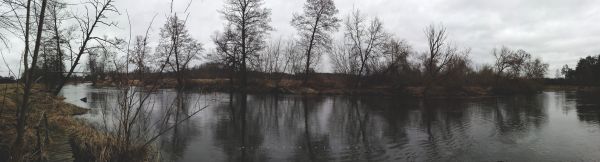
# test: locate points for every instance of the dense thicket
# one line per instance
(587, 71)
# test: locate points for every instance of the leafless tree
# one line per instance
(395, 54)
(55, 37)
(227, 52)
(366, 41)
(517, 62)
(271, 59)
(95, 65)
(132, 129)
(29, 69)
(503, 60)
(457, 70)
(250, 22)
(177, 48)
(293, 58)
(535, 69)
(140, 55)
(7, 20)
(512, 64)
(340, 58)
(314, 27)
(440, 52)
(95, 16)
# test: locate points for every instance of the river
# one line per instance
(550, 126)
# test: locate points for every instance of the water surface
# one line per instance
(551, 126)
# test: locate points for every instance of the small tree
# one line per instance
(395, 54)
(140, 55)
(535, 69)
(314, 27)
(514, 64)
(227, 52)
(440, 53)
(177, 48)
(365, 42)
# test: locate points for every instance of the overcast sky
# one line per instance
(558, 31)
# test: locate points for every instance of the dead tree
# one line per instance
(315, 26)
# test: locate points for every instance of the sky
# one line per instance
(557, 31)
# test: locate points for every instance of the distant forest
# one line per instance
(587, 72)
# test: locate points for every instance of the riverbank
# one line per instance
(336, 87)
(584, 89)
(50, 121)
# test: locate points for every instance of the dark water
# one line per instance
(552, 126)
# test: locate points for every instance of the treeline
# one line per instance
(57, 38)
(366, 55)
(369, 55)
(587, 72)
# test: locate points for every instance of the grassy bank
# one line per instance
(50, 117)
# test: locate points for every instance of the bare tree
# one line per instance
(457, 70)
(293, 58)
(365, 42)
(7, 20)
(395, 54)
(513, 64)
(95, 66)
(314, 27)
(54, 46)
(250, 23)
(227, 52)
(440, 52)
(510, 63)
(177, 48)
(535, 69)
(341, 59)
(503, 60)
(517, 62)
(92, 19)
(270, 59)
(140, 55)
(132, 130)
(29, 80)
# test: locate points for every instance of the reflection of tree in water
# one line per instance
(445, 124)
(519, 114)
(588, 107)
(390, 129)
(269, 127)
(176, 141)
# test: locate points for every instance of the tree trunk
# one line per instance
(22, 118)
(309, 52)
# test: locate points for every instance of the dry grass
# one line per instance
(89, 143)
(41, 103)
